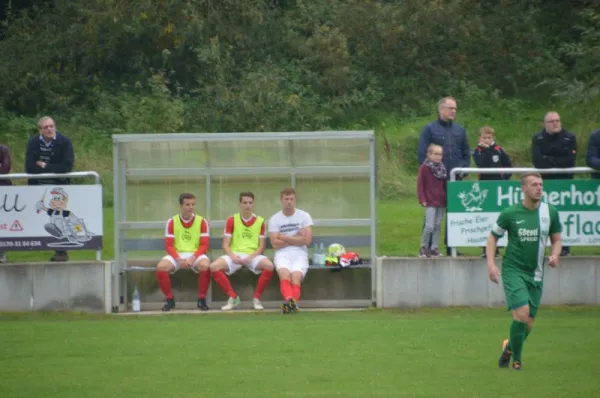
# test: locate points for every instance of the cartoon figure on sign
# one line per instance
(472, 201)
(63, 224)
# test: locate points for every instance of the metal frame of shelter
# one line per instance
(122, 171)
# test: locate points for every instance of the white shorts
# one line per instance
(293, 262)
(234, 266)
(184, 256)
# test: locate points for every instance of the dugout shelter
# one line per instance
(333, 172)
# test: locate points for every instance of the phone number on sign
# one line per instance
(22, 243)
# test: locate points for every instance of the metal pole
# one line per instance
(496, 170)
(373, 216)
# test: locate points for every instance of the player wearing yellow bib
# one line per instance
(186, 243)
(528, 225)
(243, 244)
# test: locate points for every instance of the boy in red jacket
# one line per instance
(431, 190)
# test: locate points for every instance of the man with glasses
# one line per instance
(451, 137)
(554, 147)
(49, 152)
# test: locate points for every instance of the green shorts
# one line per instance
(520, 290)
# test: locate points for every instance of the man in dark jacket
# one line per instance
(5, 164)
(554, 147)
(592, 157)
(49, 152)
(451, 137)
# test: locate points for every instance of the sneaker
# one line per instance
(202, 304)
(169, 305)
(516, 365)
(504, 359)
(293, 306)
(257, 305)
(231, 303)
(435, 253)
(285, 308)
(423, 252)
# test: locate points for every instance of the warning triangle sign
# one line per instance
(16, 226)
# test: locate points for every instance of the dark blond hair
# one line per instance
(287, 192)
(486, 130)
(525, 176)
(431, 146)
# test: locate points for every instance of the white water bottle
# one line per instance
(135, 300)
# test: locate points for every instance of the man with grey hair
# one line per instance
(451, 136)
(49, 152)
(554, 147)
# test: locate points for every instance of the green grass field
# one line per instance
(372, 353)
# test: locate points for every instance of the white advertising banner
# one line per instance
(50, 217)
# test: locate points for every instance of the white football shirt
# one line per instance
(290, 225)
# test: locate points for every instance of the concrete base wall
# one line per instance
(321, 288)
(74, 286)
(414, 282)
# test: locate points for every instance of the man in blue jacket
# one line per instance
(592, 157)
(453, 139)
(49, 152)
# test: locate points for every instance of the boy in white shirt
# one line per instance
(290, 231)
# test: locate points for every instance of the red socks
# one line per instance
(263, 281)
(223, 282)
(164, 282)
(203, 283)
(296, 291)
(285, 287)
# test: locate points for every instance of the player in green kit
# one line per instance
(528, 224)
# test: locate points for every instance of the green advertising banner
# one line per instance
(474, 206)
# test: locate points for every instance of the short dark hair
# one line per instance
(185, 196)
(288, 191)
(247, 194)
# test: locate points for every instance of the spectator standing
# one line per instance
(554, 147)
(431, 190)
(488, 154)
(5, 165)
(592, 157)
(451, 137)
(49, 152)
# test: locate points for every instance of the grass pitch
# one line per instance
(372, 353)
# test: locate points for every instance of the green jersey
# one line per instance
(528, 232)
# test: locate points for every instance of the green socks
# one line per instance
(518, 334)
(527, 332)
